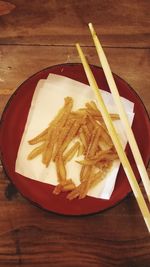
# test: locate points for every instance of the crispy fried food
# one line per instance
(90, 125)
(85, 173)
(82, 133)
(48, 147)
(93, 143)
(39, 138)
(71, 152)
(94, 111)
(82, 190)
(72, 133)
(68, 187)
(92, 106)
(65, 186)
(54, 130)
(61, 170)
(83, 140)
(35, 152)
(80, 150)
(103, 156)
(61, 138)
(86, 132)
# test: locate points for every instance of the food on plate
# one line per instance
(80, 133)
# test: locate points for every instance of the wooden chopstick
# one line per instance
(123, 158)
(121, 111)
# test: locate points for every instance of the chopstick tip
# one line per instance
(91, 28)
(77, 46)
(90, 24)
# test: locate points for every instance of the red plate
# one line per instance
(12, 126)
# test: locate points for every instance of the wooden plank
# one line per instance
(65, 22)
(29, 235)
(20, 62)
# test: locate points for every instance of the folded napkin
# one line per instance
(47, 99)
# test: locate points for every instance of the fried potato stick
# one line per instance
(85, 171)
(40, 137)
(60, 168)
(64, 186)
(35, 152)
(97, 115)
(103, 157)
(54, 128)
(83, 140)
(104, 153)
(93, 141)
(74, 129)
(82, 190)
(92, 181)
(50, 147)
(92, 107)
(80, 150)
(71, 152)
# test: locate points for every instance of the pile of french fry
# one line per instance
(80, 132)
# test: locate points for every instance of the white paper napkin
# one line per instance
(47, 100)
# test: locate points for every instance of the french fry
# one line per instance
(54, 128)
(97, 115)
(58, 189)
(80, 150)
(93, 109)
(66, 114)
(106, 136)
(103, 164)
(91, 106)
(89, 125)
(64, 186)
(93, 112)
(68, 187)
(61, 171)
(92, 140)
(74, 129)
(86, 133)
(85, 171)
(100, 174)
(61, 138)
(92, 181)
(103, 157)
(40, 137)
(35, 152)
(86, 183)
(83, 140)
(103, 145)
(87, 162)
(48, 146)
(81, 190)
(94, 106)
(104, 154)
(75, 193)
(71, 152)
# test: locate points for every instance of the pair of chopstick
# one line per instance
(107, 119)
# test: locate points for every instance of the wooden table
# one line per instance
(34, 35)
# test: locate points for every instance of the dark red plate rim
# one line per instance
(12, 125)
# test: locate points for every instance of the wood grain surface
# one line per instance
(120, 23)
(35, 35)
